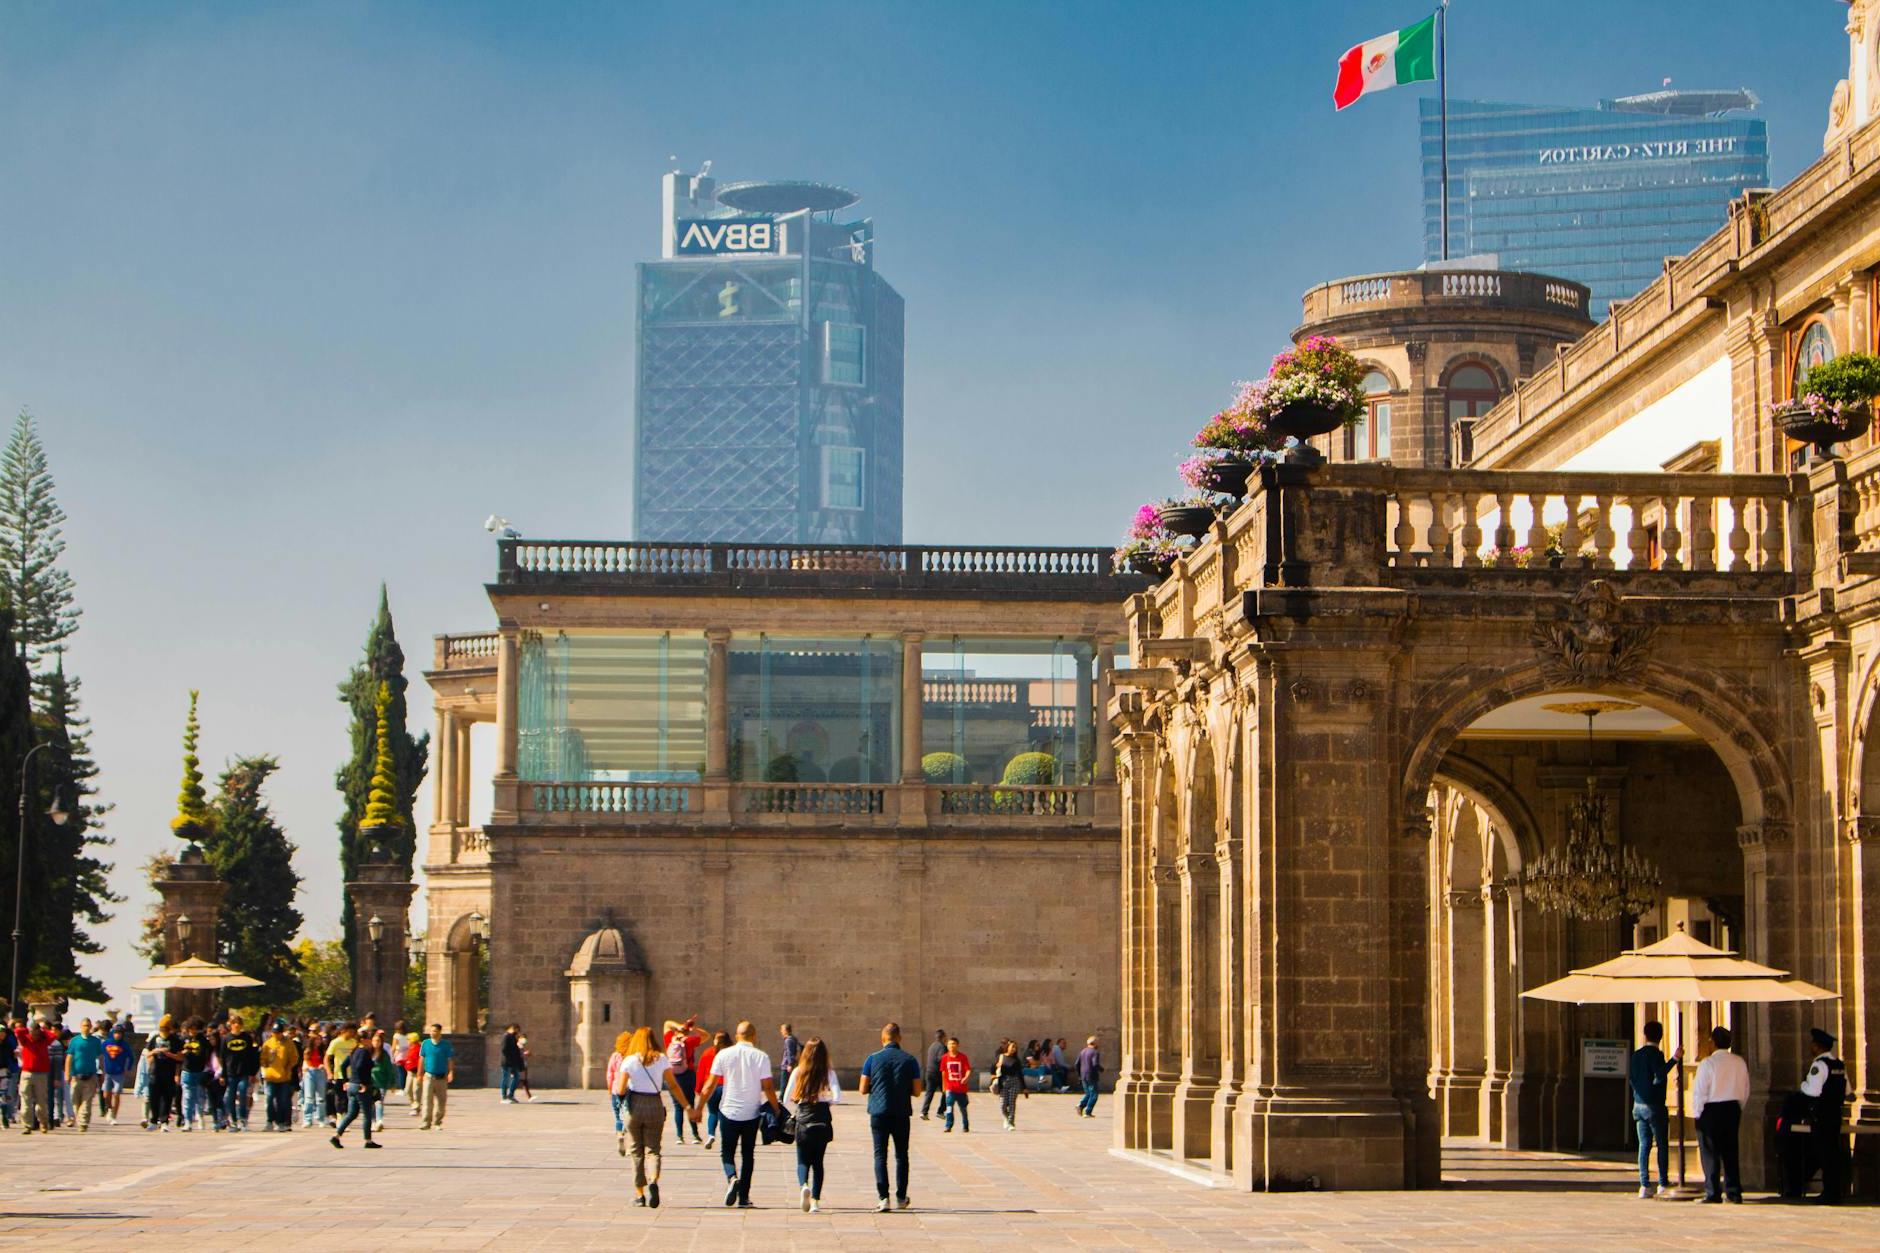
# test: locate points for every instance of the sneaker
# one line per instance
(374, 1144)
(711, 1141)
(805, 1190)
(640, 1201)
(901, 1202)
(335, 1143)
(187, 1128)
(815, 1206)
(946, 1131)
(747, 1205)
(924, 1118)
(881, 1207)
(1644, 1193)
(1664, 1190)
(731, 1193)
(652, 1194)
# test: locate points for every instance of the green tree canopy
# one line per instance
(251, 854)
(325, 980)
(32, 585)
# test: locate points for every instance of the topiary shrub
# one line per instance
(944, 768)
(1031, 769)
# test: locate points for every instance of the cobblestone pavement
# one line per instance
(546, 1175)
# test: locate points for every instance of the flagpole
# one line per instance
(1442, 96)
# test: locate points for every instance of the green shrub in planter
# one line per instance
(944, 768)
(1031, 769)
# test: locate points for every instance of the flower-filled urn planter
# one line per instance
(1833, 403)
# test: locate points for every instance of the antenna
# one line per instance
(703, 170)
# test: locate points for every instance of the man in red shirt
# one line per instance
(955, 1069)
(35, 1045)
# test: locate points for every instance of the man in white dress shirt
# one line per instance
(1717, 1098)
(743, 1071)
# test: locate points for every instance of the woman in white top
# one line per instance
(639, 1079)
(812, 1087)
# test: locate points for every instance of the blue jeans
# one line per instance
(195, 1095)
(712, 1116)
(889, 1129)
(620, 1122)
(512, 1076)
(956, 1104)
(1651, 1124)
(688, 1083)
(1089, 1104)
(312, 1096)
(735, 1153)
(235, 1101)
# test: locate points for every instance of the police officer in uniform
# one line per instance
(1826, 1090)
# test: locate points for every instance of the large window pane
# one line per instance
(987, 702)
(806, 710)
(610, 707)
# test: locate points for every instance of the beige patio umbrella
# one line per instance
(1681, 970)
(195, 975)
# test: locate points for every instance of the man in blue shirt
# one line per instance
(82, 1054)
(1646, 1073)
(436, 1059)
(890, 1081)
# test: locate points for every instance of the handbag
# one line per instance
(774, 1128)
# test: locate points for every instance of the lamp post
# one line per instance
(58, 817)
(375, 931)
(184, 929)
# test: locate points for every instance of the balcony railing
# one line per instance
(1012, 801)
(615, 798)
(467, 652)
(1697, 522)
(948, 567)
(813, 798)
(762, 805)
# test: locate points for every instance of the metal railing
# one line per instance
(522, 560)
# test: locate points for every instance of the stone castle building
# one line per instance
(828, 786)
(1351, 727)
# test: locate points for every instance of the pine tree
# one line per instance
(384, 663)
(40, 594)
(251, 854)
(73, 883)
(194, 819)
(16, 741)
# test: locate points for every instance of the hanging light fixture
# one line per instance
(1590, 877)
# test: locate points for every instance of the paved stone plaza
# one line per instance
(545, 1175)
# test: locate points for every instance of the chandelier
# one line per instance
(1591, 878)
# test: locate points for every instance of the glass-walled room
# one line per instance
(1019, 711)
(813, 709)
(611, 707)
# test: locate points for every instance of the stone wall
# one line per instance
(983, 934)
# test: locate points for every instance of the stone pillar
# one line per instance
(1136, 782)
(1198, 881)
(913, 707)
(381, 891)
(1772, 1038)
(506, 789)
(1105, 771)
(1860, 1012)
(444, 773)
(717, 789)
(189, 889)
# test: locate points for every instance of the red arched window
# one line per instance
(1472, 392)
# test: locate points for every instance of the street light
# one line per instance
(375, 928)
(184, 929)
(58, 816)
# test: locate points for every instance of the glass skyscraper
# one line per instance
(1601, 195)
(768, 405)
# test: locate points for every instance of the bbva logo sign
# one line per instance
(711, 237)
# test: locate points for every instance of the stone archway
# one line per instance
(462, 980)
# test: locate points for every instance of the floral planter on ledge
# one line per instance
(1302, 420)
(1154, 566)
(1187, 519)
(1809, 424)
(1227, 476)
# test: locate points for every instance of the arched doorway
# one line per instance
(463, 982)
(1502, 790)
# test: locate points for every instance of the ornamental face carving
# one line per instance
(1594, 646)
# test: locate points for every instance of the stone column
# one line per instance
(380, 891)
(1105, 771)
(717, 784)
(913, 707)
(1773, 1038)
(445, 771)
(1136, 777)
(1860, 1011)
(507, 791)
(189, 889)
(1198, 881)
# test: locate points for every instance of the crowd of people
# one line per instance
(207, 1075)
(725, 1083)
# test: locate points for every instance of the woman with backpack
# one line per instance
(1008, 1080)
(720, 1040)
(644, 1073)
(812, 1087)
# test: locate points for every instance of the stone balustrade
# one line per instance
(1373, 525)
(467, 652)
(948, 567)
(1036, 806)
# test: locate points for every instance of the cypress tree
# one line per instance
(383, 664)
(194, 819)
(252, 854)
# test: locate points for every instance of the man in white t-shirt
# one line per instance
(743, 1072)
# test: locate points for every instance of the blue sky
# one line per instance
(300, 293)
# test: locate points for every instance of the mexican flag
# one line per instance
(1403, 56)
